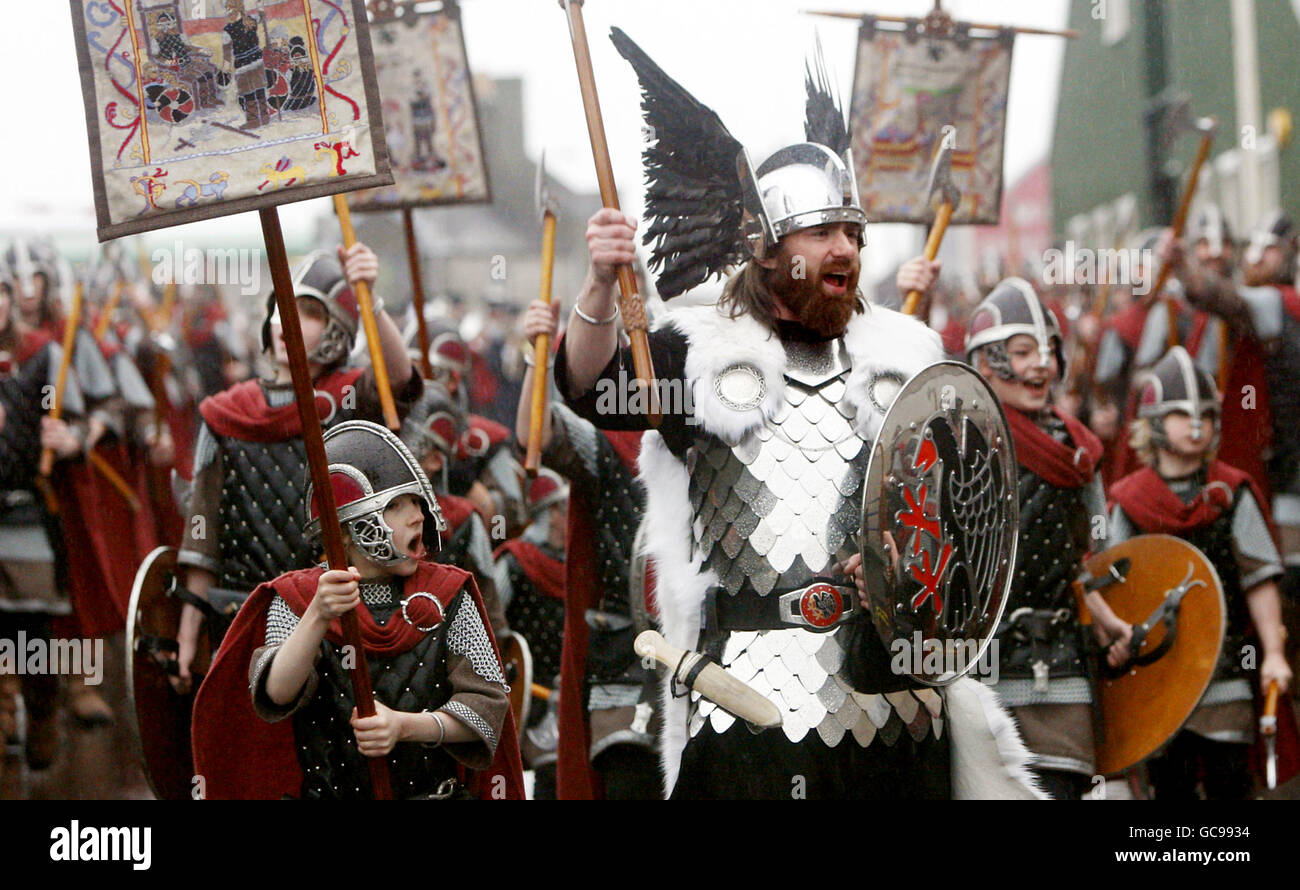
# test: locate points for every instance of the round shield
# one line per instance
(518, 661)
(939, 523)
(1172, 590)
(162, 715)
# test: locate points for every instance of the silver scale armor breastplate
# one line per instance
(771, 513)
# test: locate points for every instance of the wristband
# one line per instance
(595, 321)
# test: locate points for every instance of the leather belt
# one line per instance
(819, 607)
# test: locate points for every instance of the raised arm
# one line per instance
(588, 347)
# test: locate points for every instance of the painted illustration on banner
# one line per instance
(905, 91)
(199, 108)
(430, 113)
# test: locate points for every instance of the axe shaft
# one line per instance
(541, 352)
(941, 218)
(630, 305)
(1180, 223)
(368, 321)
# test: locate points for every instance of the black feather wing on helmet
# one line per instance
(823, 112)
(693, 192)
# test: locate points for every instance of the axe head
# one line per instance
(940, 189)
(542, 197)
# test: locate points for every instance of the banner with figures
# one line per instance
(430, 114)
(906, 89)
(203, 108)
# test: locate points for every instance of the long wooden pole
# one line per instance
(368, 321)
(1180, 223)
(313, 440)
(980, 26)
(630, 305)
(417, 291)
(541, 353)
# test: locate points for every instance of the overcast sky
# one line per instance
(743, 58)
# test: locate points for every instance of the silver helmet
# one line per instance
(320, 277)
(801, 186)
(1013, 308)
(1175, 383)
(1210, 226)
(26, 259)
(369, 467)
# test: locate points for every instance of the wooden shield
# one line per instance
(517, 659)
(162, 715)
(1145, 707)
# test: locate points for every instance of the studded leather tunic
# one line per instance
(1055, 535)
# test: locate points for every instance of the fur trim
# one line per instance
(989, 761)
(724, 342)
(882, 341)
(878, 341)
(680, 581)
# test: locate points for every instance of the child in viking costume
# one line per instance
(1015, 344)
(249, 461)
(483, 469)
(1184, 491)
(442, 713)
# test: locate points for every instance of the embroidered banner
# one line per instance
(203, 108)
(905, 90)
(430, 114)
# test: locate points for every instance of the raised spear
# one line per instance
(313, 441)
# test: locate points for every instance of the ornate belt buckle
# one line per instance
(819, 607)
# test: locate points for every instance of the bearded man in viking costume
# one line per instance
(754, 480)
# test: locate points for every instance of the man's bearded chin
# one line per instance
(826, 314)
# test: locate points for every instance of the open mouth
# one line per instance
(1038, 387)
(836, 282)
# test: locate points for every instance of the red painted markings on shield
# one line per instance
(922, 518)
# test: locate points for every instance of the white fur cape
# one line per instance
(988, 758)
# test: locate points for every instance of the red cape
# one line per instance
(455, 510)
(1155, 509)
(575, 777)
(241, 412)
(264, 766)
(1056, 462)
(547, 573)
